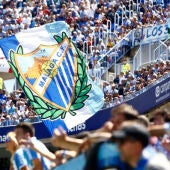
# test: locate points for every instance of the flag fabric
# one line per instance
(10, 85)
(52, 73)
(4, 66)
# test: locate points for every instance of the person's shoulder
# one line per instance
(158, 161)
(109, 149)
(142, 163)
(20, 150)
(109, 156)
(19, 154)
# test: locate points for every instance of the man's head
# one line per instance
(11, 142)
(24, 131)
(132, 138)
(159, 116)
(121, 113)
(125, 61)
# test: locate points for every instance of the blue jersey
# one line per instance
(25, 155)
(21, 159)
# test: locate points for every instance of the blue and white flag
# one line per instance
(52, 73)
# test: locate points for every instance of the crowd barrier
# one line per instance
(155, 94)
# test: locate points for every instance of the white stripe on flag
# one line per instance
(32, 38)
(66, 76)
(65, 89)
(69, 70)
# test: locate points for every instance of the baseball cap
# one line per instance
(132, 130)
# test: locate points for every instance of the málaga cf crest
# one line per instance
(53, 77)
(50, 70)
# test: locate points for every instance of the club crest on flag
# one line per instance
(50, 70)
(53, 77)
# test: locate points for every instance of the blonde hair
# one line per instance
(12, 136)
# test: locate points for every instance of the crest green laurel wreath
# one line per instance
(46, 110)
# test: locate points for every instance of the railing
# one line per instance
(136, 63)
(111, 57)
(147, 38)
(151, 45)
(117, 51)
(163, 51)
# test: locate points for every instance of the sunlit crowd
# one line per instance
(128, 140)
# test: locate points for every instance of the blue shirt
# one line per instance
(109, 157)
(2, 98)
(11, 110)
(25, 155)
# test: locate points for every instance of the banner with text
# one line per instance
(153, 33)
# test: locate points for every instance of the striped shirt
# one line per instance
(21, 159)
(46, 163)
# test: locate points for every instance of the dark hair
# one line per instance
(27, 128)
(163, 112)
(127, 110)
(130, 117)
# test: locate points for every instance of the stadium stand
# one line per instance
(105, 31)
(102, 30)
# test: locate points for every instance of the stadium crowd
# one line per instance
(96, 26)
(128, 85)
(15, 107)
(127, 141)
(85, 18)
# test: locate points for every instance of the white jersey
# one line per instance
(46, 163)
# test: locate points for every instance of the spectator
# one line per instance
(26, 131)
(125, 67)
(11, 146)
(159, 162)
(131, 138)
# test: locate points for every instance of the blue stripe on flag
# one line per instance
(51, 89)
(67, 68)
(51, 125)
(71, 53)
(8, 44)
(64, 81)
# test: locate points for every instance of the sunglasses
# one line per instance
(8, 139)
